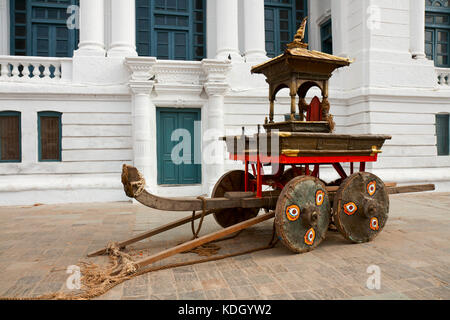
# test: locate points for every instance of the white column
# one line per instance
(4, 27)
(227, 36)
(254, 31)
(144, 118)
(212, 146)
(417, 28)
(92, 28)
(216, 87)
(340, 27)
(144, 129)
(123, 29)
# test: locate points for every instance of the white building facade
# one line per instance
(77, 103)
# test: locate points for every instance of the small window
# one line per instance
(49, 128)
(326, 37)
(437, 32)
(442, 134)
(10, 136)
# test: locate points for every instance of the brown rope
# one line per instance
(97, 281)
(194, 232)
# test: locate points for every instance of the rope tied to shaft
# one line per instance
(206, 249)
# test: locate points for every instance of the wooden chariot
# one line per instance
(302, 204)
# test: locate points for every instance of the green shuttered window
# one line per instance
(282, 19)
(10, 136)
(39, 28)
(437, 32)
(49, 135)
(171, 29)
(442, 134)
(169, 172)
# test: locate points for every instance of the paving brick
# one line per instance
(410, 267)
(193, 295)
(244, 292)
(304, 295)
(219, 294)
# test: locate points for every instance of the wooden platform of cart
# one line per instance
(305, 147)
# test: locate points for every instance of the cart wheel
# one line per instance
(361, 207)
(229, 182)
(303, 214)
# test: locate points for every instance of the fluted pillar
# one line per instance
(216, 87)
(254, 31)
(417, 28)
(123, 29)
(227, 35)
(92, 28)
(144, 118)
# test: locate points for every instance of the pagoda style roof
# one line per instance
(298, 59)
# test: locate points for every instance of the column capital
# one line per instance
(216, 70)
(141, 87)
(216, 89)
(141, 68)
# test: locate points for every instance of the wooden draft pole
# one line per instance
(202, 240)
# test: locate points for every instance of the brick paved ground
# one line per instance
(413, 251)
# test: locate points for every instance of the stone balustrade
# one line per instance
(18, 68)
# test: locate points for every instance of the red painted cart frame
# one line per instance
(257, 162)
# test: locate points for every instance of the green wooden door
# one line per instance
(183, 170)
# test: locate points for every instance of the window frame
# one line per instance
(325, 24)
(434, 28)
(190, 30)
(73, 35)
(446, 139)
(49, 114)
(293, 26)
(19, 115)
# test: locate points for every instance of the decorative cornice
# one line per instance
(179, 72)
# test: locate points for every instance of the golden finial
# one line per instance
(301, 31)
(299, 36)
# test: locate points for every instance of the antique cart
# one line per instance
(297, 149)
